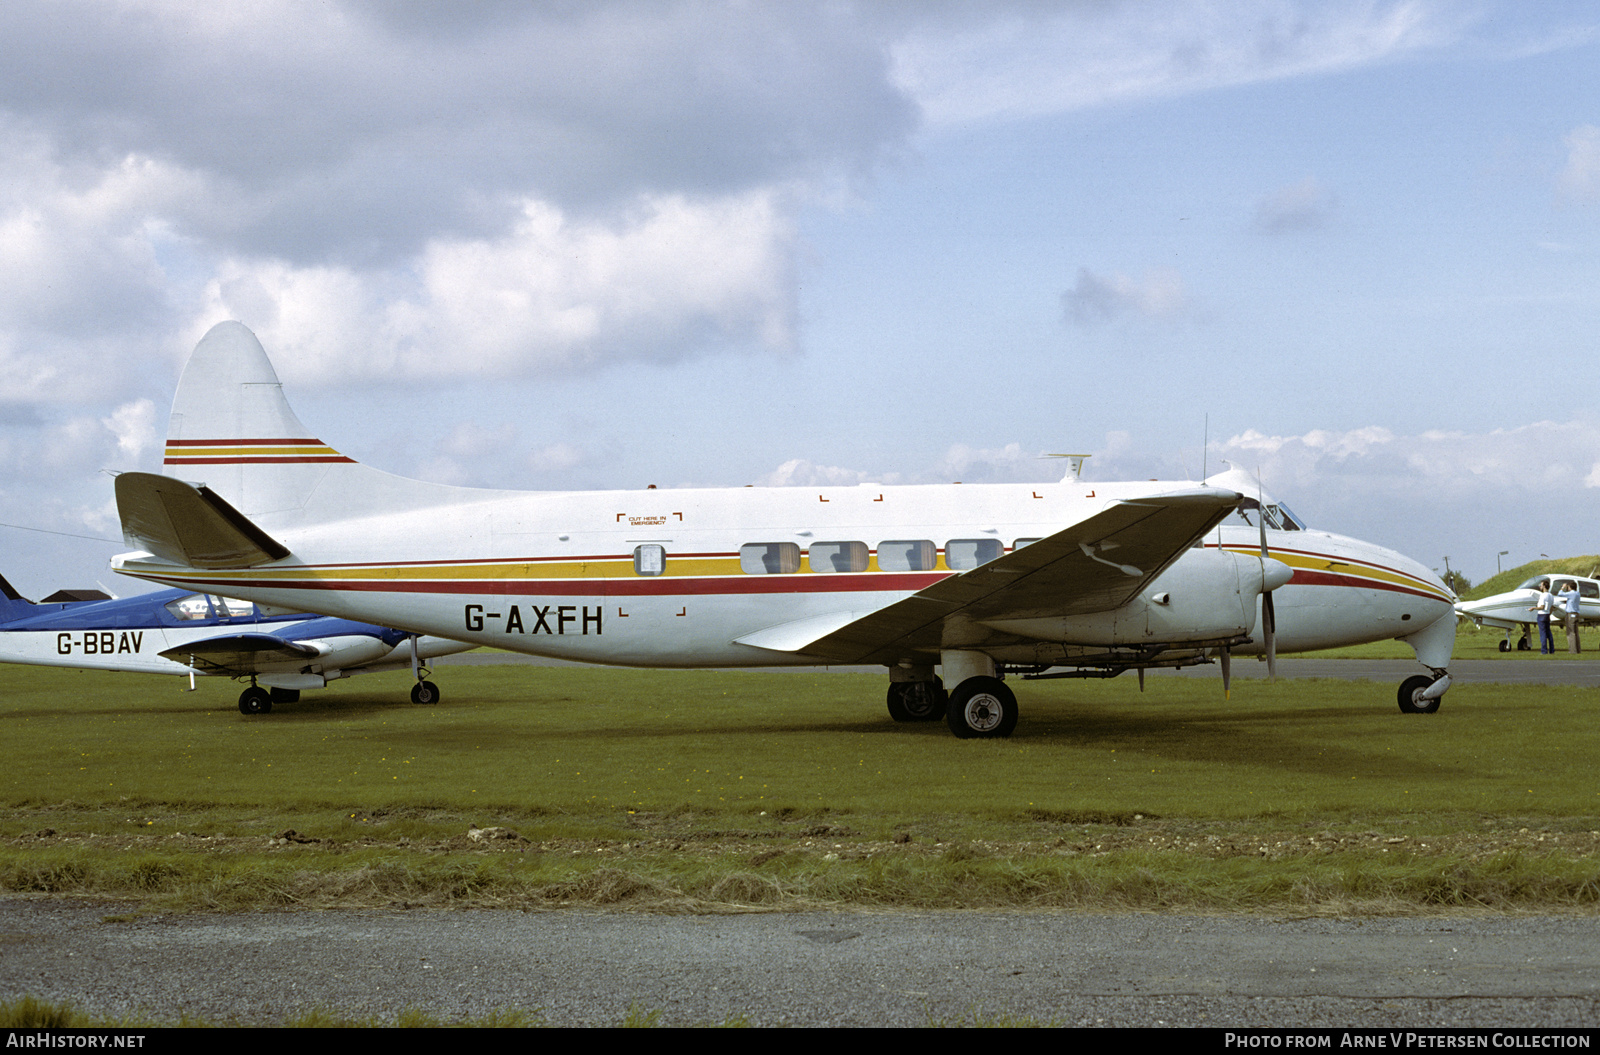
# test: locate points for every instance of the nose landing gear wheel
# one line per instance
(424, 692)
(1410, 695)
(982, 708)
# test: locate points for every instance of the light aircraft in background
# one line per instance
(1069, 579)
(182, 632)
(1513, 610)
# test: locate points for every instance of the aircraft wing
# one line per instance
(239, 654)
(1096, 565)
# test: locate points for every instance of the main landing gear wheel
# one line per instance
(424, 692)
(981, 708)
(1505, 646)
(917, 701)
(255, 700)
(1524, 644)
(1410, 695)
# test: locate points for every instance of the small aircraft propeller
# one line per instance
(1274, 573)
(1269, 617)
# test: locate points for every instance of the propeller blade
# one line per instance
(1227, 673)
(1269, 617)
(1269, 628)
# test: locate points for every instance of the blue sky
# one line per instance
(1354, 245)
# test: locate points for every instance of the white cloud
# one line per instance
(136, 428)
(1101, 298)
(1579, 179)
(551, 295)
(801, 472)
(1014, 62)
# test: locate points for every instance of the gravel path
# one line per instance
(812, 969)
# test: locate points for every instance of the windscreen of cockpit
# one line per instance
(1276, 514)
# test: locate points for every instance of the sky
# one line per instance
(1351, 247)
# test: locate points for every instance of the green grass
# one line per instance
(1510, 579)
(727, 791)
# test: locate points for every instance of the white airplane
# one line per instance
(179, 632)
(1513, 610)
(976, 580)
(1343, 592)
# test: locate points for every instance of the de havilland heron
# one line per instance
(971, 582)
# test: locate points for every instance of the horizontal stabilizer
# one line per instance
(239, 654)
(190, 526)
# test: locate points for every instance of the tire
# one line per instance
(917, 701)
(255, 700)
(1523, 644)
(1409, 704)
(424, 692)
(1505, 646)
(982, 708)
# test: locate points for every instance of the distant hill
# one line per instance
(1511, 578)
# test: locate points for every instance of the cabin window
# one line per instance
(769, 558)
(828, 557)
(232, 608)
(649, 559)
(1024, 542)
(1589, 589)
(963, 553)
(907, 555)
(194, 606)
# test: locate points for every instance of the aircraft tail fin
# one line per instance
(232, 430)
(12, 604)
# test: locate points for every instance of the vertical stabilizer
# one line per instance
(233, 431)
(12, 604)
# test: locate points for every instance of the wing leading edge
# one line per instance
(1097, 565)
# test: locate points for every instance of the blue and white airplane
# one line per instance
(182, 632)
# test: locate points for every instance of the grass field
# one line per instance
(730, 791)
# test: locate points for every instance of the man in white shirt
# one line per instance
(1542, 609)
(1567, 592)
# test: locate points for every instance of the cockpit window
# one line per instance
(232, 607)
(1276, 514)
(194, 606)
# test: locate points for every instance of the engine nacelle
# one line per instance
(1207, 595)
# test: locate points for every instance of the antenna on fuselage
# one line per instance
(1074, 465)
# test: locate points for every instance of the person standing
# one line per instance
(1541, 610)
(1568, 595)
